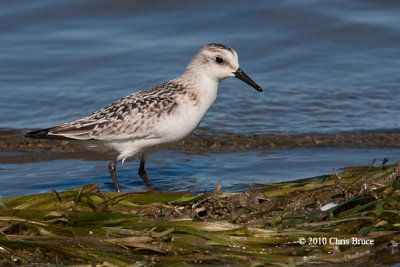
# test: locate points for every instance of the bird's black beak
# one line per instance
(241, 75)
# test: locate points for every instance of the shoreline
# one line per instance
(13, 140)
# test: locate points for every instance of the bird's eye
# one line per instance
(219, 60)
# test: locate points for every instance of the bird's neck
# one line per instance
(202, 85)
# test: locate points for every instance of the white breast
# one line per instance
(188, 114)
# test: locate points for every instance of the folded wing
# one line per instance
(133, 116)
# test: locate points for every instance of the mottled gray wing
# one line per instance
(134, 116)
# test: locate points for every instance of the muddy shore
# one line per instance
(13, 140)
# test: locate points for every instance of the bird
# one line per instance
(157, 117)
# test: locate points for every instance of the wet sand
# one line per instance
(13, 140)
(202, 140)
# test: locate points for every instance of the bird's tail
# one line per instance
(44, 134)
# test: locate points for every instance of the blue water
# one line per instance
(325, 66)
(175, 170)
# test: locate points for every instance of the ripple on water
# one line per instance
(181, 170)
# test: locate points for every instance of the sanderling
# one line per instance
(155, 118)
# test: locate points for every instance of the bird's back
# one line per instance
(133, 116)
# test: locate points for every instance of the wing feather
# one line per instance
(134, 116)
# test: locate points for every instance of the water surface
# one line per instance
(326, 67)
(182, 170)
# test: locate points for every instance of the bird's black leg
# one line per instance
(142, 172)
(112, 169)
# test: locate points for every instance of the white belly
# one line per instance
(168, 130)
